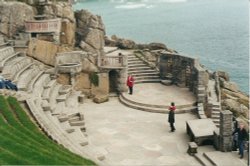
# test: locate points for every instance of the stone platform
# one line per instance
(155, 97)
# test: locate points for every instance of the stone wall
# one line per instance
(184, 72)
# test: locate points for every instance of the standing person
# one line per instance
(130, 84)
(242, 136)
(171, 116)
(120, 57)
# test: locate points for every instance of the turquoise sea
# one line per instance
(215, 31)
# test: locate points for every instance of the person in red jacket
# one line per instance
(171, 117)
(130, 84)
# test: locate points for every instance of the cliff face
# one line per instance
(13, 15)
(90, 32)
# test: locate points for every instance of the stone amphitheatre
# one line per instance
(72, 85)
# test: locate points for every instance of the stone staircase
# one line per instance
(54, 106)
(213, 104)
(142, 72)
(203, 159)
(154, 108)
(215, 116)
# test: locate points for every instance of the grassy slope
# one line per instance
(23, 143)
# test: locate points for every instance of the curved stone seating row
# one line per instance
(6, 54)
(13, 70)
(27, 77)
(155, 108)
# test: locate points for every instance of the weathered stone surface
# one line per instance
(88, 66)
(230, 86)
(45, 51)
(100, 98)
(65, 11)
(82, 82)
(90, 31)
(157, 46)
(223, 75)
(68, 33)
(59, 9)
(63, 79)
(236, 107)
(13, 16)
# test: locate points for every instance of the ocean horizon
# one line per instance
(215, 31)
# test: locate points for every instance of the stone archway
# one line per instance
(113, 81)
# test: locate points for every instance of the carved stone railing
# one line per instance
(43, 26)
(112, 62)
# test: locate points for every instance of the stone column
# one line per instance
(226, 131)
(122, 80)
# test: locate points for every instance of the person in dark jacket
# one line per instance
(242, 136)
(171, 116)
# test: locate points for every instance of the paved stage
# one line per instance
(131, 137)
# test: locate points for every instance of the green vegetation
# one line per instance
(23, 143)
(94, 79)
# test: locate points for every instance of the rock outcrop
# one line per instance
(13, 16)
(232, 98)
(90, 32)
(122, 43)
(64, 11)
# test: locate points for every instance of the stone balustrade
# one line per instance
(112, 62)
(43, 26)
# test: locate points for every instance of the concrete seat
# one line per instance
(38, 86)
(22, 68)
(26, 77)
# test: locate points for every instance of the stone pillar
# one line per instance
(226, 131)
(122, 80)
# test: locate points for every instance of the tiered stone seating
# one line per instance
(47, 102)
(6, 54)
(27, 76)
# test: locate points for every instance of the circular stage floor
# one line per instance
(158, 94)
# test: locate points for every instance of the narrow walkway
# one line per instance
(132, 137)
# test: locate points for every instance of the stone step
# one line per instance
(142, 71)
(137, 65)
(215, 116)
(62, 98)
(26, 78)
(54, 94)
(33, 81)
(153, 109)
(143, 68)
(135, 62)
(16, 77)
(143, 77)
(13, 61)
(130, 59)
(124, 96)
(39, 84)
(50, 84)
(148, 81)
(145, 74)
(202, 160)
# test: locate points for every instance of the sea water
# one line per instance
(215, 31)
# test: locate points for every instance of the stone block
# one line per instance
(192, 148)
(77, 123)
(101, 98)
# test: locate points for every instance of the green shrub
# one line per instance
(94, 79)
